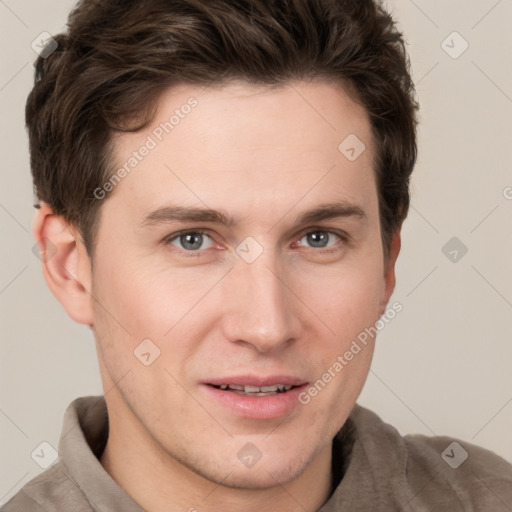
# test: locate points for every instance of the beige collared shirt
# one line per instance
(374, 467)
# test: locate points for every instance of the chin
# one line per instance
(265, 476)
(275, 468)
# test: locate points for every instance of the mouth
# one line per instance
(247, 390)
(256, 397)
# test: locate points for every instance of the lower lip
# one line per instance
(257, 407)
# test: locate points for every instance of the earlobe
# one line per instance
(65, 263)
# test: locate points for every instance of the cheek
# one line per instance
(127, 307)
(147, 301)
(345, 303)
(339, 359)
(345, 298)
(137, 301)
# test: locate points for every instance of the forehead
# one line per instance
(249, 145)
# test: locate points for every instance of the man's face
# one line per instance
(267, 300)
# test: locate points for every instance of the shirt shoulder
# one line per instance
(474, 476)
(384, 470)
(49, 491)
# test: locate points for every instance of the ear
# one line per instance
(389, 269)
(65, 263)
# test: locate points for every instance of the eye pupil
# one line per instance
(318, 237)
(187, 240)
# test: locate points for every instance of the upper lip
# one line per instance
(257, 380)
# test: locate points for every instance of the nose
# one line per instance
(262, 311)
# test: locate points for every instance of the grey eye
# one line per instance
(191, 240)
(318, 239)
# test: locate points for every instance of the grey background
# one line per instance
(441, 367)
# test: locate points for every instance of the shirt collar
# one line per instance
(84, 433)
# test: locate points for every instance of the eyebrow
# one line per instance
(170, 213)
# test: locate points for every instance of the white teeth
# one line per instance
(254, 390)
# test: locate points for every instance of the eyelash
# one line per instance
(345, 239)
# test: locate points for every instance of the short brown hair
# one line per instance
(118, 55)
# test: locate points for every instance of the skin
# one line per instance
(264, 156)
